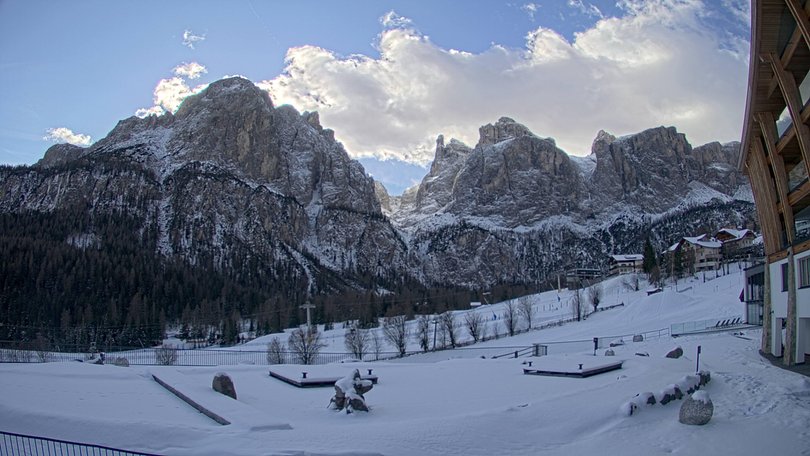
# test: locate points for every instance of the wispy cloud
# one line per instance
(393, 20)
(588, 9)
(530, 9)
(191, 70)
(623, 74)
(66, 135)
(190, 38)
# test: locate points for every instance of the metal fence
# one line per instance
(569, 346)
(174, 357)
(12, 444)
(168, 356)
(715, 324)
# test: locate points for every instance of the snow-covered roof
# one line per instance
(624, 258)
(703, 241)
(736, 234)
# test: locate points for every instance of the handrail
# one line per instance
(22, 444)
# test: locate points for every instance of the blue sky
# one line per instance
(387, 76)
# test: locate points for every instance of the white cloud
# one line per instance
(190, 38)
(169, 93)
(65, 135)
(530, 9)
(154, 110)
(588, 9)
(393, 20)
(191, 70)
(656, 65)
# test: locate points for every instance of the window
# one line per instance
(784, 277)
(804, 272)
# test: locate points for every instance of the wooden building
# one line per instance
(775, 153)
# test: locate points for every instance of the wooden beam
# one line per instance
(764, 196)
(790, 92)
(796, 195)
(802, 23)
(767, 125)
(790, 50)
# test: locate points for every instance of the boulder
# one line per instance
(675, 353)
(638, 338)
(224, 385)
(121, 361)
(696, 409)
(609, 352)
(705, 377)
(669, 394)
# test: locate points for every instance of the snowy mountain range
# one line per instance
(233, 182)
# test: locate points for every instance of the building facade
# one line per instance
(736, 243)
(775, 153)
(626, 264)
(697, 254)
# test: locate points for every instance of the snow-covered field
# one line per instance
(450, 402)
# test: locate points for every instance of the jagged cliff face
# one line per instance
(228, 172)
(515, 207)
(233, 182)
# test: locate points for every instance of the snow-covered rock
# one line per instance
(697, 409)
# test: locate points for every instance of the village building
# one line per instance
(625, 264)
(695, 254)
(736, 243)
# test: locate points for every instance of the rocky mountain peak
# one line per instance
(59, 154)
(505, 128)
(226, 96)
(602, 143)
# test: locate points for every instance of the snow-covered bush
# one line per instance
(166, 355)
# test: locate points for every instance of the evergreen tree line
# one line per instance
(73, 280)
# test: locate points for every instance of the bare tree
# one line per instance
(275, 351)
(376, 343)
(357, 342)
(423, 332)
(396, 332)
(526, 310)
(305, 344)
(449, 327)
(595, 293)
(577, 305)
(475, 324)
(510, 317)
